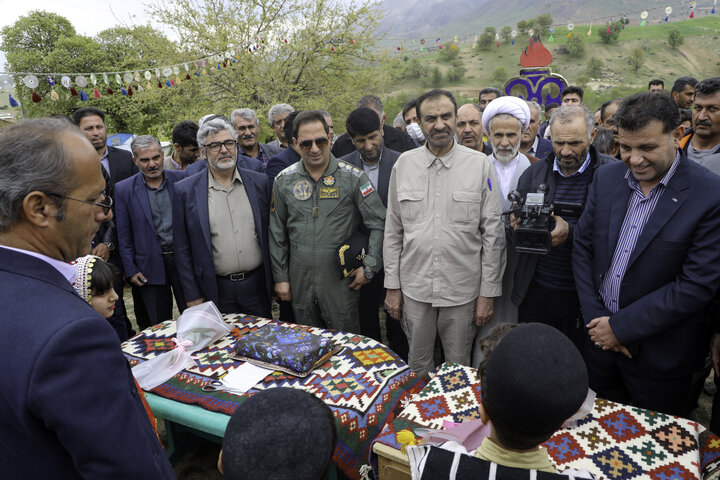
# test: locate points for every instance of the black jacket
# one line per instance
(393, 139)
(538, 173)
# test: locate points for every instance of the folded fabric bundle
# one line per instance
(287, 349)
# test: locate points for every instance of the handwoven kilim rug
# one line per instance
(363, 384)
(614, 442)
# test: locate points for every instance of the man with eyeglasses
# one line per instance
(317, 204)
(220, 228)
(68, 404)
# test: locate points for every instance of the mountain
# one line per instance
(443, 18)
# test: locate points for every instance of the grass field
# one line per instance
(698, 56)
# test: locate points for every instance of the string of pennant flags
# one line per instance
(101, 83)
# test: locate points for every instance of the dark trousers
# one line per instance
(119, 320)
(247, 295)
(618, 378)
(286, 312)
(372, 297)
(158, 299)
(557, 308)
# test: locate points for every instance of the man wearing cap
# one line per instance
(444, 241)
(544, 289)
(504, 120)
(317, 204)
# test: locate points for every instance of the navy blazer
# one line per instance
(191, 231)
(138, 243)
(68, 404)
(269, 150)
(280, 162)
(243, 161)
(672, 275)
(387, 160)
(544, 148)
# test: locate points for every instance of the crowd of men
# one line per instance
(412, 219)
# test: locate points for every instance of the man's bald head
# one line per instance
(469, 126)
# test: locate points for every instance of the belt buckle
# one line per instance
(236, 277)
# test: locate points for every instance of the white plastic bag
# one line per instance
(197, 327)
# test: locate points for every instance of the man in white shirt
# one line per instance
(504, 120)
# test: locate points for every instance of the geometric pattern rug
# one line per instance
(614, 441)
(364, 384)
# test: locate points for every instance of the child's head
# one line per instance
(535, 379)
(94, 282)
(279, 433)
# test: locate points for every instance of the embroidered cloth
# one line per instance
(362, 385)
(614, 442)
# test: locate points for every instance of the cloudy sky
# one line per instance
(87, 16)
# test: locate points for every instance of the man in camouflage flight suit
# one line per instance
(317, 204)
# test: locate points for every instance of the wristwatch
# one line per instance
(110, 246)
(369, 274)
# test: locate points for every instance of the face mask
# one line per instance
(414, 131)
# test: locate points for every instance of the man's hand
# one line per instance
(484, 310)
(359, 279)
(283, 291)
(394, 302)
(101, 250)
(138, 279)
(514, 221)
(715, 352)
(560, 232)
(602, 335)
(192, 303)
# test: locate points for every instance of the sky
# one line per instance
(87, 16)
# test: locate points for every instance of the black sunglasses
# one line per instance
(321, 142)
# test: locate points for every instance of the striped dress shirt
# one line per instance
(638, 212)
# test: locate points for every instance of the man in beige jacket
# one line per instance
(444, 246)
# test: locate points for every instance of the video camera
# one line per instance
(533, 235)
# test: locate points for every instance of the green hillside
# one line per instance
(698, 56)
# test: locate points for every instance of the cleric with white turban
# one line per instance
(514, 106)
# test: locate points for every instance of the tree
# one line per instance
(611, 34)
(675, 38)
(542, 23)
(487, 39)
(432, 77)
(582, 80)
(449, 54)
(506, 33)
(575, 46)
(523, 26)
(457, 72)
(594, 67)
(637, 58)
(499, 76)
(311, 54)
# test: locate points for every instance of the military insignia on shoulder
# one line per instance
(350, 168)
(292, 168)
(302, 190)
(366, 189)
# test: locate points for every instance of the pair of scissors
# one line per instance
(214, 386)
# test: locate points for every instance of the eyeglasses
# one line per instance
(106, 207)
(215, 147)
(321, 142)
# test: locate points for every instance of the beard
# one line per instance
(505, 155)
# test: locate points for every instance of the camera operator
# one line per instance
(544, 288)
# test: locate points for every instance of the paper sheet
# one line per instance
(244, 377)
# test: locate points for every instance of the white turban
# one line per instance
(514, 106)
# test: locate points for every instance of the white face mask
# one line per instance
(414, 131)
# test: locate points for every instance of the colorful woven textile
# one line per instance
(363, 384)
(711, 457)
(614, 442)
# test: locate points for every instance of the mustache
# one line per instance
(703, 123)
(247, 137)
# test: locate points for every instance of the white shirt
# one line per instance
(505, 173)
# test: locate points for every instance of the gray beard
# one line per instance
(506, 157)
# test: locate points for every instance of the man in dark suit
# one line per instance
(530, 142)
(243, 161)
(68, 404)
(220, 222)
(393, 138)
(118, 166)
(247, 127)
(371, 156)
(145, 234)
(646, 257)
